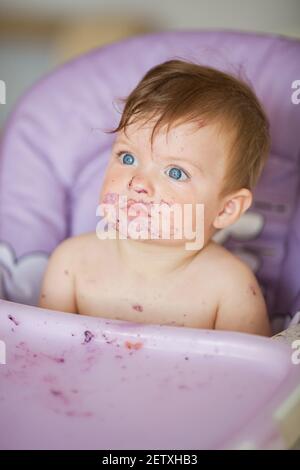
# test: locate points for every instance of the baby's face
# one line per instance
(187, 166)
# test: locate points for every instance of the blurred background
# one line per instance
(38, 35)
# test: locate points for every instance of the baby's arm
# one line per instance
(242, 306)
(58, 291)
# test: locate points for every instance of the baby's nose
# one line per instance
(141, 190)
(140, 185)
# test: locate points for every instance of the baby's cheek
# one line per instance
(188, 220)
(109, 205)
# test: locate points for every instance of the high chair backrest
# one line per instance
(54, 152)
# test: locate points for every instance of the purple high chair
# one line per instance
(74, 382)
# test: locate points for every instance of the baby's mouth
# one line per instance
(140, 209)
(132, 208)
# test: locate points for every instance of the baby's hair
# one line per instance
(178, 91)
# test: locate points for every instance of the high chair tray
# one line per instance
(76, 382)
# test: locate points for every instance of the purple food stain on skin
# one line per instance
(138, 308)
(88, 336)
(11, 318)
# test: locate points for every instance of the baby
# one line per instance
(189, 136)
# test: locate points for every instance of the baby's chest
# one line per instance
(179, 304)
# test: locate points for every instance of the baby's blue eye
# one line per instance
(176, 173)
(127, 159)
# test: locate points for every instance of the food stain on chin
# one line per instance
(113, 198)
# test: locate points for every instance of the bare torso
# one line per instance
(105, 288)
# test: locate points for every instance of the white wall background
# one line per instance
(278, 16)
(22, 64)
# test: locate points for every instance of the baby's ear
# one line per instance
(232, 207)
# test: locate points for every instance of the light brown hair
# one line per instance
(178, 91)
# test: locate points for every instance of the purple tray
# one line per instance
(76, 382)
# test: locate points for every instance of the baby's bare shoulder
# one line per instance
(229, 272)
(241, 303)
(84, 246)
(223, 262)
(73, 244)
